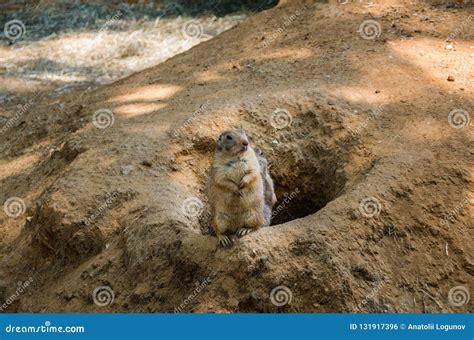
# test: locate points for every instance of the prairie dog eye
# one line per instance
(229, 137)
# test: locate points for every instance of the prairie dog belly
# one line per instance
(237, 170)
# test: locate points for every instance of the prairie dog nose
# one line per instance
(245, 143)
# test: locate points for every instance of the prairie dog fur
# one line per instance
(268, 186)
(236, 190)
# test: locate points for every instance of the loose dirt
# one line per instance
(373, 174)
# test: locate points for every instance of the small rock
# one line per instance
(450, 78)
(69, 296)
(377, 91)
(125, 170)
(146, 163)
(449, 47)
(274, 143)
(353, 215)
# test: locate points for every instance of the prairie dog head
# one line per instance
(232, 142)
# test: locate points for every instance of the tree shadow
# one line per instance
(285, 61)
(42, 19)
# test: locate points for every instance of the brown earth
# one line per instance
(369, 119)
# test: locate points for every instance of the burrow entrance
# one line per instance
(307, 163)
(306, 185)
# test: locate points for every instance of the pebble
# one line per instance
(450, 78)
(449, 47)
(125, 170)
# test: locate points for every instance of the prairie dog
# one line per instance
(236, 187)
(268, 186)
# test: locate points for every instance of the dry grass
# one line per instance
(94, 44)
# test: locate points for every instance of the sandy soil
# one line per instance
(371, 149)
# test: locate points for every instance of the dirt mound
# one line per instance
(371, 153)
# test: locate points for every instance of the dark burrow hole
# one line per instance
(303, 192)
(308, 166)
(309, 189)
